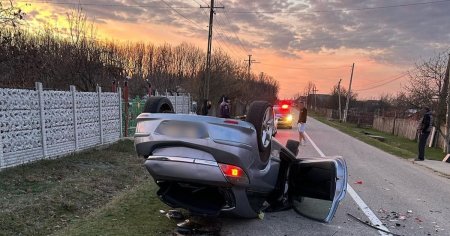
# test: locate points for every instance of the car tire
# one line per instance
(158, 105)
(260, 114)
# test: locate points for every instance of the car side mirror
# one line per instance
(292, 145)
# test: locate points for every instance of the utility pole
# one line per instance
(315, 97)
(339, 95)
(447, 117)
(348, 94)
(250, 62)
(208, 55)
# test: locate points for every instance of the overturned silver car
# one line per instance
(212, 166)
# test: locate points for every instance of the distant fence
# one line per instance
(38, 124)
(406, 128)
(355, 117)
(182, 104)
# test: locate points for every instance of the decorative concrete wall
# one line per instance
(38, 124)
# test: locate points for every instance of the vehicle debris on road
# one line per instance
(372, 226)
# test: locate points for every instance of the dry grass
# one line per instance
(43, 197)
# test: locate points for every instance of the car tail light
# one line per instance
(234, 174)
(284, 106)
(233, 122)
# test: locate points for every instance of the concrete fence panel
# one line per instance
(38, 124)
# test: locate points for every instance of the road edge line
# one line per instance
(358, 200)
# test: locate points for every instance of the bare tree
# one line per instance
(10, 14)
(426, 81)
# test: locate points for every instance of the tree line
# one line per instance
(75, 57)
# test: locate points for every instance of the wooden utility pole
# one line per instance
(315, 97)
(250, 62)
(447, 117)
(208, 55)
(348, 94)
(339, 97)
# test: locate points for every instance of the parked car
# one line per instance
(212, 166)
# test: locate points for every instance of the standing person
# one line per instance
(225, 108)
(205, 107)
(424, 131)
(302, 122)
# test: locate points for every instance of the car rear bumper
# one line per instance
(208, 194)
(283, 123)
(185, 169)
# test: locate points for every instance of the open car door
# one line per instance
(316, 186)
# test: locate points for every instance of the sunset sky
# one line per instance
(295, 41)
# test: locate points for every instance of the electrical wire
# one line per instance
(305, 68)
(380, 85)
(344, 9)
(109, 5)
(220, 31)
(249, 12)
(237, 37)
(179, 13)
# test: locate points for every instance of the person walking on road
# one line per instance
(424, 130)
(302, 123)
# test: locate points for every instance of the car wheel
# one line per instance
(260, 114)
(158, 105)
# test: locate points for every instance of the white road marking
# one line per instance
(362, 205)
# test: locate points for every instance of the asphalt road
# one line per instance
(390, 186)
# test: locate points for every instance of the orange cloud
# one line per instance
(324, 68)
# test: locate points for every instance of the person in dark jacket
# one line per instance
(424, 130)
(303, 113)
(225, 109)
(205, 107)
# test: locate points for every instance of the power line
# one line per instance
(221, 33)
(384, 80)
(227, 18)
(223, 37)
(380, 85)
(220, 40)
(199, 4)
(179, 13)
(243, 12)
(110, 5)
(305, 68)
(223, 43)
(240, 44)
(344, 9)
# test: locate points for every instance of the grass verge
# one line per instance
(47, 196)
(395, 145)
(136, 212)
